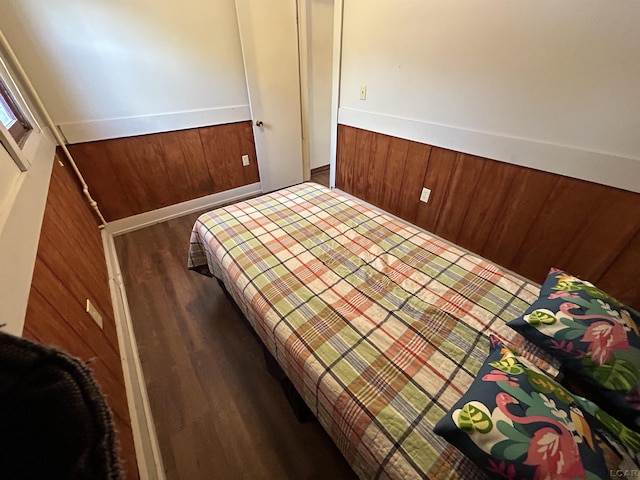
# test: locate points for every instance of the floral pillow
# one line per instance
(593, 335)
(515, 422)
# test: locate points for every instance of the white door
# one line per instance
(269, 37)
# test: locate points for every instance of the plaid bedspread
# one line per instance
(380, 327)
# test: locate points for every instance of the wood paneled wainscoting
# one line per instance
(133, 175)
(523, 219)
(70, 268)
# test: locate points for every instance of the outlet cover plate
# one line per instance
(93, 313)
(424, 196)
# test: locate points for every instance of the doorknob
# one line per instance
(259, 123)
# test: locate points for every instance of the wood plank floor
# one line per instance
(218, 413)
(321, 175)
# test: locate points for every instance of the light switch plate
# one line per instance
(245, 160)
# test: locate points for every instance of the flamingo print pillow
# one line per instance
(515, 422)
(594, 336)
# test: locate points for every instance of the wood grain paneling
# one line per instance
(346, 153)
(133, 175)
(394, 165)
(223, 147)
(70, 267)
(361, 161)
(462, 185)
(621, 277)
(487, 202)
(615, 211)
(376, 172)
(441, 164)
(525, 199)
(555, 227)
(523, 219)
(415, 168)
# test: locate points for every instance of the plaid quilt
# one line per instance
(380, 326)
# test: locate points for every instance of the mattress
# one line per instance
(380, 326)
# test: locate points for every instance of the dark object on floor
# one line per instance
(54, 422)
(300, 409)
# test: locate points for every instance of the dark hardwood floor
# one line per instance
(218, 413)
(321, 175)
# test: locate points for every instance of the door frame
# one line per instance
(338, 9)
(302, 18)
(304, 31)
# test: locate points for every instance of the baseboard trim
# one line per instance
(142, 220)
(599, 167)
(145, 439)
(89, 131)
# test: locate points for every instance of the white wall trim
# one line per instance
(338, 8)
(77, 132)
(303, 66)
(598, 167)
(136, 222)
(148, 456)
(24, 153)
(20, 223)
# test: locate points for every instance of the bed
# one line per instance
(380, 326)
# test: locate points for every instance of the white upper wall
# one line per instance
(109, 68)
(547, 84)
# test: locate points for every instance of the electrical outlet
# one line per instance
(245, 160)
(424, 196)
(363, 92)
(93, 313)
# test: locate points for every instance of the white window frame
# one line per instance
(24, 153)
